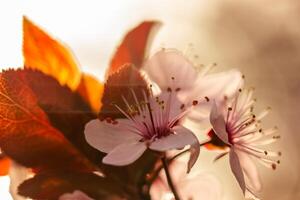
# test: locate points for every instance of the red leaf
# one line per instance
(26, 134)
(53, 185)
(132, 49)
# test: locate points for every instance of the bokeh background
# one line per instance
(259, 37)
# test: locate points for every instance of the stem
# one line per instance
(170, 160)
(169, 179)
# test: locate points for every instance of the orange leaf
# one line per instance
(91, 90)
(4, 166)
(26, 134)
(48, 55)
(132, 49)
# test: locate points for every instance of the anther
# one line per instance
(279, 153)
(243, 76)
(260, 130)
(182, 106)
(195, 102)
(178, 89)
(229, 109)
(207, 99)
(173, 78)
(108, 120)
(266, 153)
(273, 166)
(240, 90)
(169, 89)
(278, 162)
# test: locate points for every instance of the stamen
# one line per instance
(195, 102)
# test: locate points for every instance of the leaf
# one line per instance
(121, 84)
(4, 165)
(132, 49)
(26, 134)
(48, 55)
(52, 185)
(91, 90)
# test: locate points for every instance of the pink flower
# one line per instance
(76, 195)
(236, 125)
(195, 186)
(156, 122)
(193, 82)
(152, 122)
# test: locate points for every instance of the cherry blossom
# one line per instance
(76, 195)
(239, 128)
(195, 185)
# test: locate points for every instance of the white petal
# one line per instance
(218, 123)
(180, 139)
(75, 195)
(214, 87)
(208, 187)
(125, 154)
(237, 169)
(106, 136)
(167, 64)
(252, 178)
(18, 174)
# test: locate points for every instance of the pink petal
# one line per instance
(125, 154)
(214, 87)
(18, 174)
(237, 169)
(180, 139)
(218, 123)
(76, 195)
(106, 136)
(201, 186)
(252, 178)
(167, 64)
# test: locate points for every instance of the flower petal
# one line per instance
(166, 64)
(218, 123)
(106, 136)
(125, 154)
(252, 178)
(180, 139)
(18, 174)
(237, 169)
(77, 194)
(212, 87)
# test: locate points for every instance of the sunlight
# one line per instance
(4, 188)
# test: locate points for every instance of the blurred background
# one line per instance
(259, 37)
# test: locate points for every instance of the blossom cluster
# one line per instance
(123, 139)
